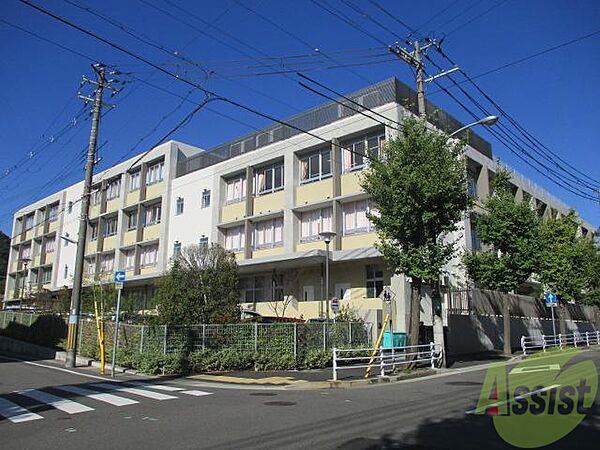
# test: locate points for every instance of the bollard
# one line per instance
(587, 339)
(432, 350)
(543, 343)
(560, 340)
(523, 345)
(381, 362)
(334, 364)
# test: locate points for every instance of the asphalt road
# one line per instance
(179, 413)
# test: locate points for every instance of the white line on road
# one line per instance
(97, 395)
(160, 387)
(68, 406)
(483, 409)
(141, 392)
(196, 393)
(15, 413)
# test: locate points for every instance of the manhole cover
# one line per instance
(263, 394)
(280, 403)
(464, 383)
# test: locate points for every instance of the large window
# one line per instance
(268, 233)
(315, 166)
(25, 252)
(236, 189)
(313, 222)
(155, 173)
(46, 275)
(49, 245)
(374, 280)
(268, 179)
(132, 220)
(179, 206)
(205, 198)
(149, 256)
(355, 217)
(235, 239)
(129, 258)
(110, 227)
(93, 231)
(152, 215)
(90, 266)
(261, 288)
(134, 181)
(28, 223)
(95, 197)
(176, 249)
(107, 263)
(53, 212)
(472, 184)
(113, 189)
(353, 154)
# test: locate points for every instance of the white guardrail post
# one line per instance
(543, 342)
(381, 362)
(587, 338)
(334, 364)
(432, 351)
(523, 345)
(560, 340)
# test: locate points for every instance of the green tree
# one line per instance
(510, 229)
(200, 287)
(418, 184)
(568, 263)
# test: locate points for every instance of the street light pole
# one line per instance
(327, 236)
(488, 121)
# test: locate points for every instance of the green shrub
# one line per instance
(274, 361)
(318, 359)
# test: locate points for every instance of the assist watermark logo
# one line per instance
(540, 400)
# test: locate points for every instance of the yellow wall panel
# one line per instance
(148, 270)
(151, 232)
(109, 243)
(265, 204)
(91, 247)
(314, 192)
(365, 240)
(50, 258)
(266, 252)
(350, 183)
(235, 211)
(112, 205)
(94, 211)
(132, 198)
(130, 237)
(154, 190)
(312, 245)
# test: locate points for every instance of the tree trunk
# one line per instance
(506, 320)
(415, 311)
(562, 318)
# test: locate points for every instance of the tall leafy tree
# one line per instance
(510, 230)
(418, 184)
(568, 263)
(200, 287)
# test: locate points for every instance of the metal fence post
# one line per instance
(325, 336)
(381, 363)
(543, 343)
(575, 336)
(523, 345)
(432, 350)
(165, 341)
(203, 337)
(296, 342)
(393, 359)
(255, 337)
(334, 364)
(587, 339)
(142, 339)
(350, 333)
(560, 340)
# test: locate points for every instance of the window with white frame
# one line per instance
(252, 289)
(90, 266)
(176, 249)
(235, 239)
(149, 255)
(25, 252)
(46, 275)
(268, 233)
(107, 263)
(155, 173)
(95, 197)
(93, 231)
(268, 179)
(374, 280)
(355, 217)
(134, 181)
(315, 221)
(205, 199)
(132, 220)
(356, 153)
(49, 244)
(179, 206)
(315, 166)
(53, 212)
(110, 227)
(236, 189)
(28, 222)
(129, 258)
(113, 189)
(472, 184)
(203, 242)
(152, 216)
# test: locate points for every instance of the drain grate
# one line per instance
(280, 403)
(263, 394)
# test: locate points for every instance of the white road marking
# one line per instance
(136, 391)
(68, 406)
(15, 413)
(97, 395)
(160, 387)
(533, 369)
(482, 410)
(196, 393)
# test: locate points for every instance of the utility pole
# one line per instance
(100, 84)
(420, 83)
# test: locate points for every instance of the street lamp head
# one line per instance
(327, 236)
(489, 120)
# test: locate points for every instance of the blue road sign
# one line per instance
(551, 299)
(119, 276)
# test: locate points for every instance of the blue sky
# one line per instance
(553, 96)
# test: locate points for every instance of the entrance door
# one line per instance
(342, 291)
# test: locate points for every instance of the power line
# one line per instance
(433, 17)
(462, 12)
(480, 15)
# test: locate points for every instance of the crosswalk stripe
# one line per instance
(97, 395)
(136, 391)
(159, 387)
(68, 406)
(196, 393)
(15, 413)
